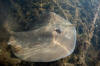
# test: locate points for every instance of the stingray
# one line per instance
(50, 42)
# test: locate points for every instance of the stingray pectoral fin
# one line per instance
(71, 25)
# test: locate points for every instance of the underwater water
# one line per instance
(20, 20)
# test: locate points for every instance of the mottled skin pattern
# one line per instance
(45, 44)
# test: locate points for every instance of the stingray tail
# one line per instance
(7, 27)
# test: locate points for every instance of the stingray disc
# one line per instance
(51, 42)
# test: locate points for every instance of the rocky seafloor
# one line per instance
(85, 14)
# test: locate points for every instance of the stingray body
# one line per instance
(50, 42)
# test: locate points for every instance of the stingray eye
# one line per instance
(58, 30)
